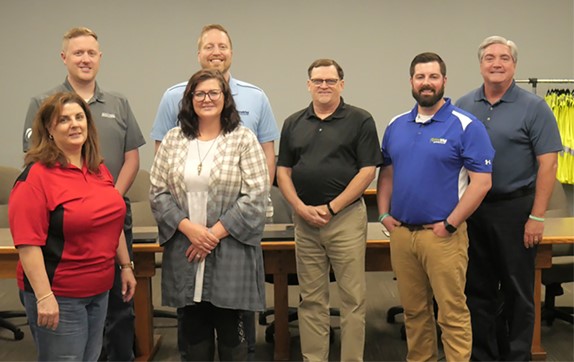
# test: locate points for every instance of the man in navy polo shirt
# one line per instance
(424, 197)
(506, 228)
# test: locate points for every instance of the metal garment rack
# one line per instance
(534, 82)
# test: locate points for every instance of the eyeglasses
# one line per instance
(318, 82)
(213, 95)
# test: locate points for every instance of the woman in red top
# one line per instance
(66, 220)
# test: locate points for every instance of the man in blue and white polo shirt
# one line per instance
(436, 170)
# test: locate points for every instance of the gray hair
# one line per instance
(495, 39)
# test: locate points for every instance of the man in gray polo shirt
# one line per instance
(120, 137)
(508, 225)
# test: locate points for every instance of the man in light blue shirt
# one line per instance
(214, 51)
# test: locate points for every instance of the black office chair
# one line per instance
(562, 271)
(282, 214)
(7, 177)
(18, 334)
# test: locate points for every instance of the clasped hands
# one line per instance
(202, 242)
(317, 216)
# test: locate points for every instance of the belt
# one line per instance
(415, 227)
(523, 191)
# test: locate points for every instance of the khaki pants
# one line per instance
(341, 245)
(427, 265)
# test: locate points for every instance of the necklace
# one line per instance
(200, 165)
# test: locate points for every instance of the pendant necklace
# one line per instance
(200, 165)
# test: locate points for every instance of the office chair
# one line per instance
(7, 177)
(283, 214)
(562, 269)
(142, 216)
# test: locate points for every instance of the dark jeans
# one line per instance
(249, 325)
(119, 332)
(196, 327)
(500, 281)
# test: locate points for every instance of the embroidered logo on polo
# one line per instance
(108, 115)
(441, 141)
(243, 113)
(487, 162)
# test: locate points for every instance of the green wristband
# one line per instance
(383, 216)
(536, 218)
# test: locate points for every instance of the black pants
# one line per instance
(119, 332)
(500, 281)
(196, 328)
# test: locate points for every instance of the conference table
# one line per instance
(279, 258)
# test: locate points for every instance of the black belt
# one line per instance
(415, 227)
(523, 191)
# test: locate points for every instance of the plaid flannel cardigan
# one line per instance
(237, 196)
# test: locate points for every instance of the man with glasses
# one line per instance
(328, 156)
(437, 165)
(214, 51)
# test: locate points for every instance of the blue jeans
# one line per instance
(80, 330)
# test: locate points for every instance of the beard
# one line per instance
(428, 101)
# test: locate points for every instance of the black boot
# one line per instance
(202, 351)
(237, 353)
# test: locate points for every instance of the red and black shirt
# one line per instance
(76, 217)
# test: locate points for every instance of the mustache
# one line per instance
(425, 88)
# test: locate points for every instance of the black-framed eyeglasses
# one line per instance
(213, 94)
(318, 82)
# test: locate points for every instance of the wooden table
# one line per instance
(280, 261)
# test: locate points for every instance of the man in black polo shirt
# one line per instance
(328, 156)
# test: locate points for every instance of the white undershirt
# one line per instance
(423, 118)
(197, 187)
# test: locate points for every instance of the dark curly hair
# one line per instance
(188, 119)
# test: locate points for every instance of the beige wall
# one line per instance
(149, 45)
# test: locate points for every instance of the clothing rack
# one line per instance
(535, 81)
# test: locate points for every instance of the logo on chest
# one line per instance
(440, 141)
(108, 115)
(243, 113)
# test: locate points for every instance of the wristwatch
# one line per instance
(128, 266)
(450, 228)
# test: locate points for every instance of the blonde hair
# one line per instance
(75, 33)
(209, 27)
